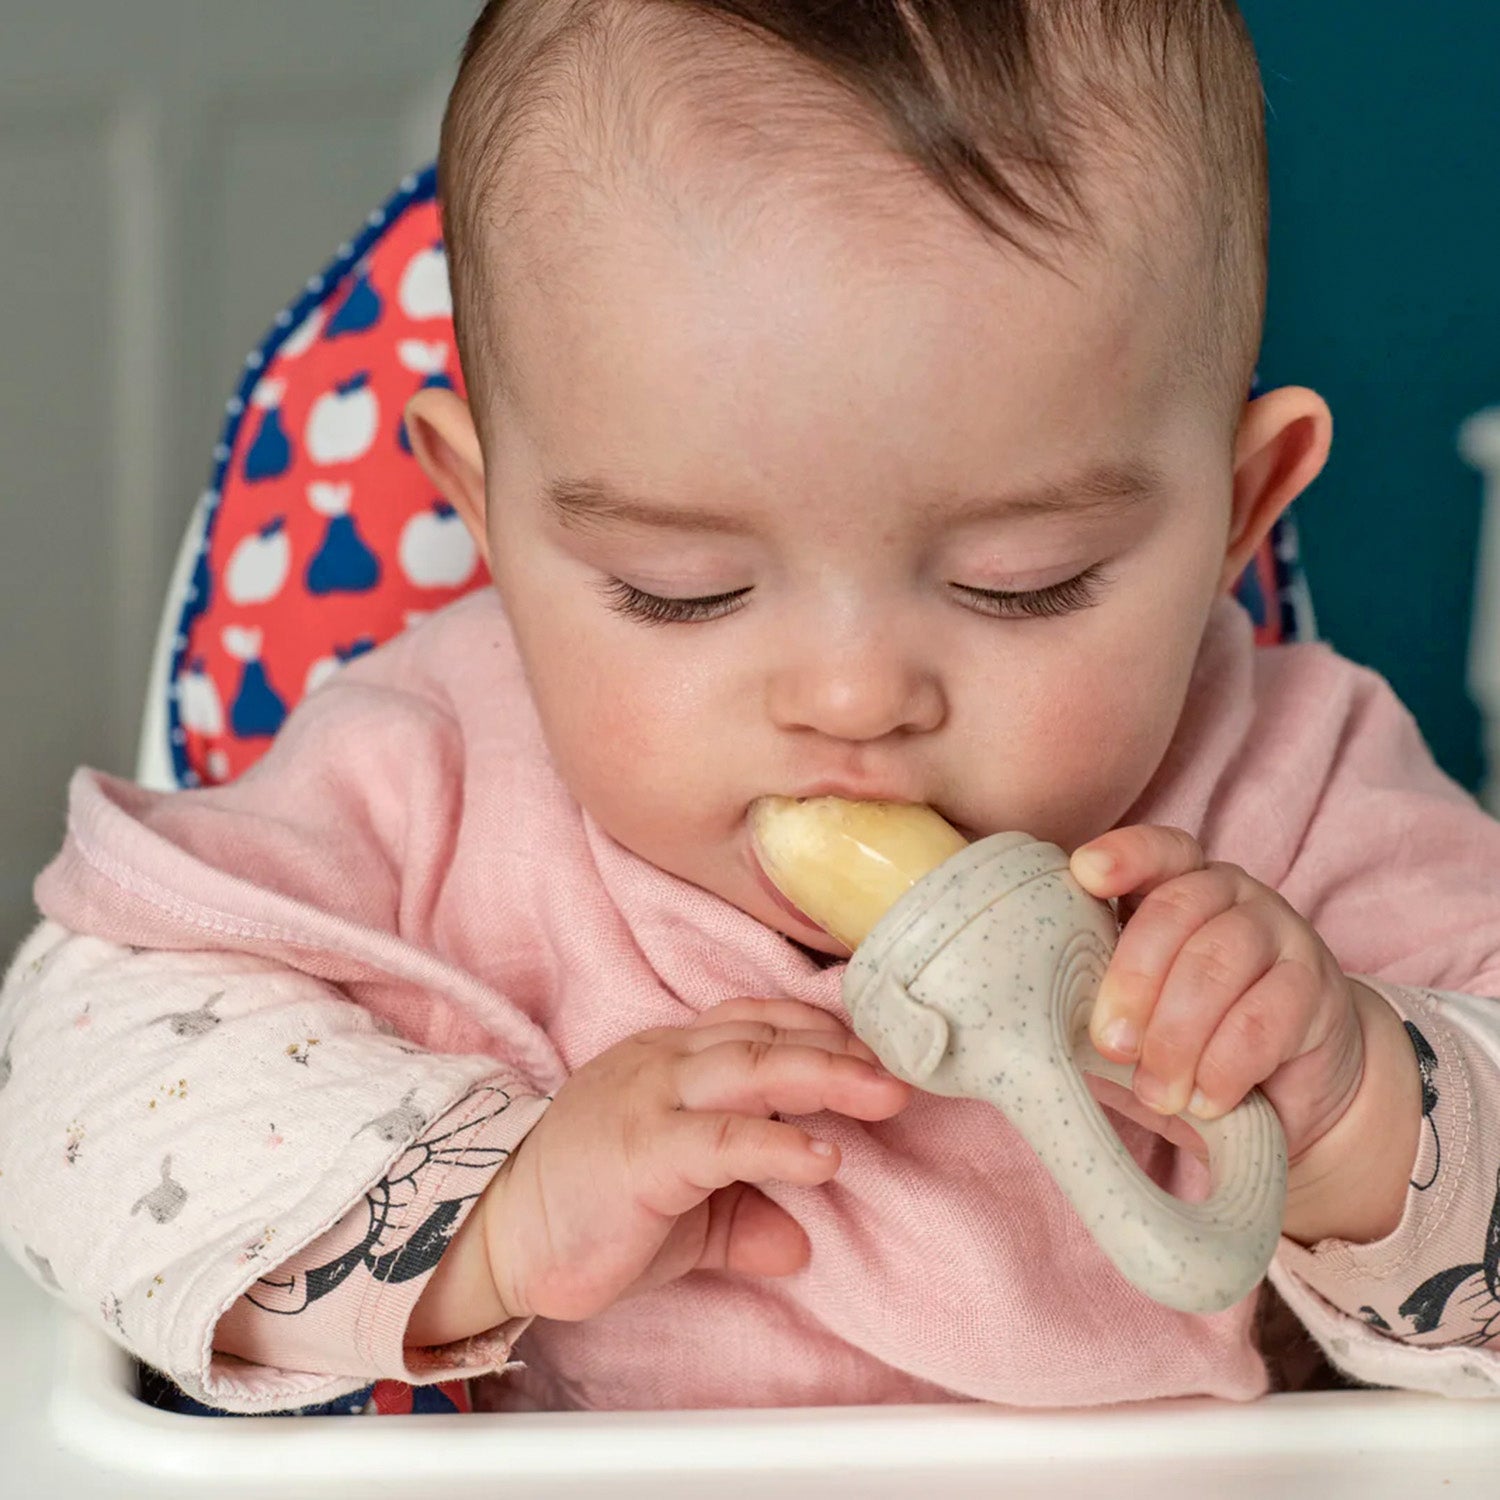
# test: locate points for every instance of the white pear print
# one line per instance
(343, 422)
(321, 671)
(259, 565)
(327, 667)
(330, 499)
(198, 704)
(242, 642)
(436, 550)
(424, 291)
(422, 357)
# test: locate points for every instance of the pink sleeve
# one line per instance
(1434, 1280)
(343, 1302)
(1398, 868)
(330, 855)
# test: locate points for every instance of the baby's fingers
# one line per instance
(1154, 937)
(1266, 1029)
(1215, 967)
(795, 1015)
(764, 1078)
(1134, 860)
(774, 1027)
(696, 1154)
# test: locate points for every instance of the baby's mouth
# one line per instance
(849, 860)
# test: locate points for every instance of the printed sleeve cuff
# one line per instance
(445, 1197)
(1426, 1282)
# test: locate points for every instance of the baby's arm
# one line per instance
(175, 1127)
(1352, 1184)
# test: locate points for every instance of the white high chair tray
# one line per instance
(71, 1428)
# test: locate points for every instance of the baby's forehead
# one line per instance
(713, 135)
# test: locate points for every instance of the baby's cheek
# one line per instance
(608, 730)
(1091, 748)
(625, 752)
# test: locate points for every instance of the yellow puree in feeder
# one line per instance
(845, 864)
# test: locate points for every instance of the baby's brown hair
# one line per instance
(1005, 104)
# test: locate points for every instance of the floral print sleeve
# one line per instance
(186, 1133)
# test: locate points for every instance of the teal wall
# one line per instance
(1385, 296)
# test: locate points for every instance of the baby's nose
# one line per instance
(856, 695)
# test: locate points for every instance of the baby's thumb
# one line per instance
(750, 1235)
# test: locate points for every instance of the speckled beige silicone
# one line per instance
(979, 983)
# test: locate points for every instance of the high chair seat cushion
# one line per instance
(322, 538)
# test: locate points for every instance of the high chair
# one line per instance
(318, 539)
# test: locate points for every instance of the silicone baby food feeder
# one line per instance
(978, 982)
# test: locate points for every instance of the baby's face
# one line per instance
(820, 504)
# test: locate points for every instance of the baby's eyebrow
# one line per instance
(581, 504)
(1104, 489)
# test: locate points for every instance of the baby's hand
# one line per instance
(1218, 986)
(637, 1173)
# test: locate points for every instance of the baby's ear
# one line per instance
(1281, 447)
(441, 430)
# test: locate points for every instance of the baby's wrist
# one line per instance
(462, 1297)
(1352, 1184)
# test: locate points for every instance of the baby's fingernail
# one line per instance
(1121, 1036)
(1200, 1106)
(1094, 863)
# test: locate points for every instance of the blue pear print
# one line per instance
(343, 564)
(270, 455)
(362, 647)
(258, 709)
(361, 308)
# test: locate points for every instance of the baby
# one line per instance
(856, 406)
